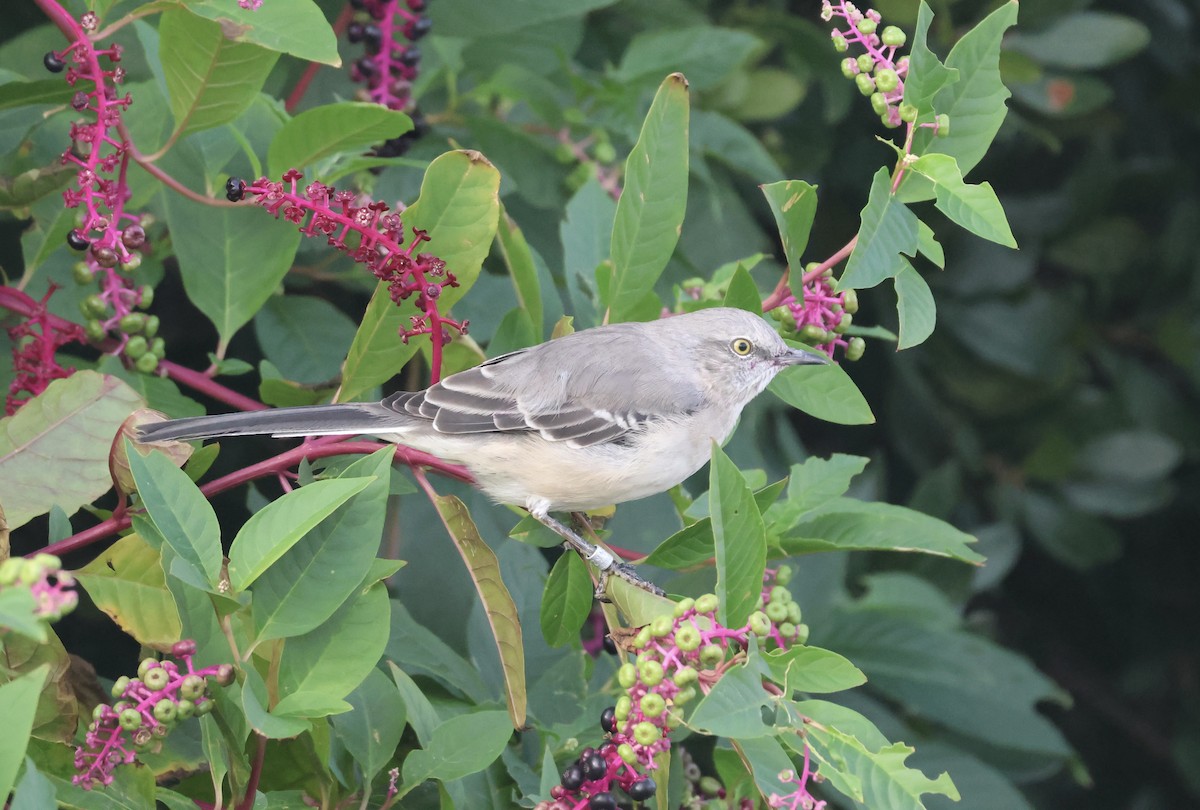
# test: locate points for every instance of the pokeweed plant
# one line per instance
(339, 689)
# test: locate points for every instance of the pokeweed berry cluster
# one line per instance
(800, 798)
(36, 341)
(111, 239)
(387, 30)
(677, 657)
(878, 71)
(50, 586)
(161, 696)
(370, 235)
(820, 317)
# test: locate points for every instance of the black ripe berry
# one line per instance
(420, 28)
(608, 719)
(602, 801)
(642, 790)
(77, 241)
(594, 767)
(572, 778)
(53, 63)
(235, 189)
(610, 646)
(354, 32)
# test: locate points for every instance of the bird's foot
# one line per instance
(626, 572)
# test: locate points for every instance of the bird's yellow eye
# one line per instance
(741, 347)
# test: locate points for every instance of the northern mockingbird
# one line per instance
(597, 417)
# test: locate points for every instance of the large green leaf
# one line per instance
(329, 129)
(305, 337)
(733, 707)
(650, 209)
(181, 515)
(372, 730)
(888, 229)
(212, 247)
(18, 702)
(812, 669)
(974, 207)
(705, 54)
(297, 27)
(57, 710)
(459, 746)
(34, 791)
(826, 392)
(127, 582)
(271, 531)
(498, 604)
(882, 775)
(740, 540)
(211, 80)
(926, 73)
(519, 259)
(54, 450)
(812, 484)
(421, 651)
(566, 601)
(459, 207)
(915, 307)
(586, 234)
(794, 204)
(315, 576)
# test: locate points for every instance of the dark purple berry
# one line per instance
(642, 789)
(572, 778)
(77, 241)
(372, 37)
(602, 801)
(610, 646)
(53, 63)
(354, 32)
(411, 56)
(133, 237)
(420, 28)
(594, 767)
(608, 719)
(105, 256)
(417, 5)
(367, 67)
(235, 189)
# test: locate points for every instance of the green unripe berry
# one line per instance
(158, 348)
(627, 675)
(849, 67)
(760, 623)
(865, 63)
(642, 638)
(151, 327)
(889, 120)
(133, 322)
(943, 126)
(130, 720)
(652, 704)
(685, 675)
(81, 273)
(145, 666)
(94, 305)
(802, 634)
(145, 296)
(710, 786)
(780, 594)
(651, 672)
(661, 626)
(786, 318)
(892, 36)
(839, 42)
(646, 733)
(135, 347)
(621, 710)
(684, 695)
(777, 612)
(192, 687)
(94, 329)
(563, 154)
(812, 334)
(908, 113)
(683, 606)
(605, 152)
(625, 751)
(204, 708)
(707, 603)
(687, 638)
(783, 575)
(712, 654)
(786, 629)
(866, 26)
(156, 679)
(879, 103)
(844, 323)
(135, 261)
(887, 80)
(866, 85)
(793, 610)
(121, 705)
(855, 348)
(850, 301)
(118, 688)
(147, 363)
(165, 710)
(98, 712)
(185, 709)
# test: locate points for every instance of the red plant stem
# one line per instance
(782, 289)
(272, 466)
(297, 95)
(165, 178)
(260, 755)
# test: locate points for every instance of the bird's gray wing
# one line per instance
(576, 391)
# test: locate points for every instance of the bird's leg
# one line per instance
(604, 560)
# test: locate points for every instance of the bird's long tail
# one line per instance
(347, 419)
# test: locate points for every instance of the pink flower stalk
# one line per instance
(886, 88)
(35, 342)
(250, 5)
(162, 695)
(800, 798)
(819, 314)
(49, 585)
(391, 61)
(370, 235)
(111, 237)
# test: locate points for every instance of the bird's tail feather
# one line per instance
(347, 419)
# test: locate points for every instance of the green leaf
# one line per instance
(33, 184)
(884, 778)
(331, 129)
(888, 229)
(421, 651)
(181, 515)
(734, 706)
(297, 27)
(825, 392)
(650, 210)
(498, 604)
(372, 730)
(974, 207)
(459, 207)
(926, 73)
(15, 94)
(34, 791)
(54, 450)
(519, 260)
(566, 601)
(740, 540)
(332, 660)
(255, 703)
(705, 54)
(270, 532)
(315, 576)
(305, 337)
(690, 546)
(18, 611)
(458, 747)
(1083, 40)
(211, 245)
(812, 669)
(915, 306)
(18, 702)
(927, 246)
(743, 292)
(56, 715)
(210, 79)
(847, 524)
(812, 484)
(421, 714)
(794, 204)
(638, 605)
(127, 582)
(586, 232)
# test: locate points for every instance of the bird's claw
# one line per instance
(626, 572)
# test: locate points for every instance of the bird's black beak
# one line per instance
(800, 357)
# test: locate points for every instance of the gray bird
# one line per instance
(597, 417)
